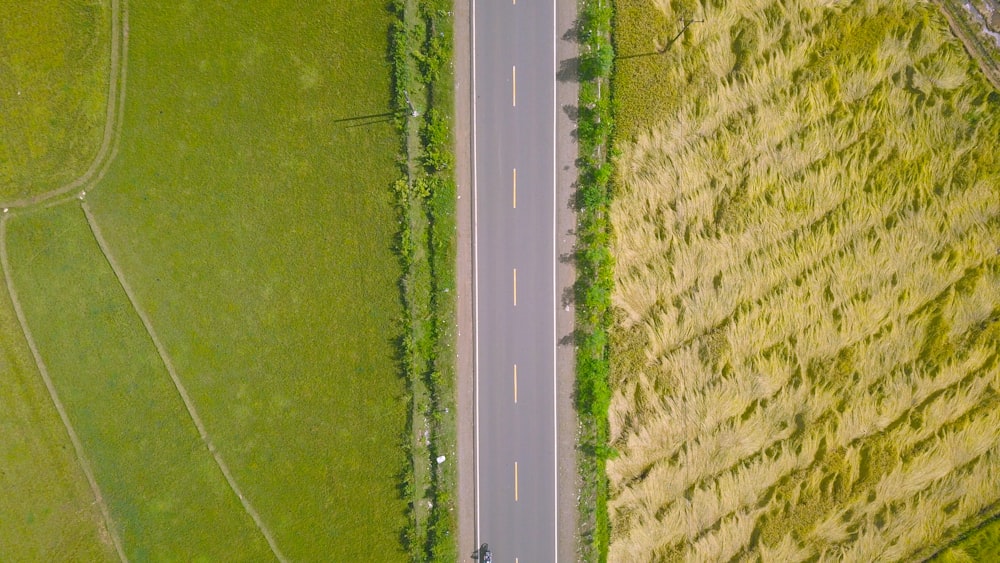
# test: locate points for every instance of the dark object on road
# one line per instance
(485, 555)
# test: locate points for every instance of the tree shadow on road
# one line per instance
(569, 70)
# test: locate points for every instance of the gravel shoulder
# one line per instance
(567, 96)
(465, 302)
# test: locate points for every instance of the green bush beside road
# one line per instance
(595, 128)
(425, 203)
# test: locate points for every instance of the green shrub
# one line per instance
(436, 136)
(597, 61)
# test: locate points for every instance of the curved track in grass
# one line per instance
(113, 116)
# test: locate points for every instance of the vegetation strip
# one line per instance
(595, 268)
(54, 395)
(421, 53)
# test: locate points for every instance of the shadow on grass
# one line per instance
(388, 114)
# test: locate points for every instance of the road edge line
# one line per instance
(475, 268)
(555, 284)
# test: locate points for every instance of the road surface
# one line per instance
(514, 254)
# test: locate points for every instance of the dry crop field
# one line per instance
(807, 244)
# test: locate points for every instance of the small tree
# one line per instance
(598, 61)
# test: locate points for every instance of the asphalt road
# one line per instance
(514, 253)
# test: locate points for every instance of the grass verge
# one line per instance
(421, 52)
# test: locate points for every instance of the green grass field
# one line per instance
(54, 64)
(52, 102)
(807, 223)
(47, 506)
(167, 497)
(251, 214)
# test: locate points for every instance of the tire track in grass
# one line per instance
(181, 390)
(43, 371)
(113, 116)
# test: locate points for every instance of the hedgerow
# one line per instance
(594, 271)
(421, 54)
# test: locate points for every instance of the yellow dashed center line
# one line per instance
(515, 383)
(513, 82)
(515, 188)
(515, 481)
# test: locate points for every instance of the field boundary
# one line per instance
(421, 50)
(179, 385)
(982, 54)
(595, 274)
(113, 117)
(54, 395)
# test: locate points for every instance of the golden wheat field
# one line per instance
(807, 284)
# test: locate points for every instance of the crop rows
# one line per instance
(808, 290)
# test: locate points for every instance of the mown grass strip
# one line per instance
(595, 128)
(421, 52)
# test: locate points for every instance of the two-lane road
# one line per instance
(514, 224)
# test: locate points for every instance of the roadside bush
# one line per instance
(597, 62)
(436, 137)
(398, 57)
(421, 52)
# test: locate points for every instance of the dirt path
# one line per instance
(77, 445)
(181, 390)
(113, 116)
